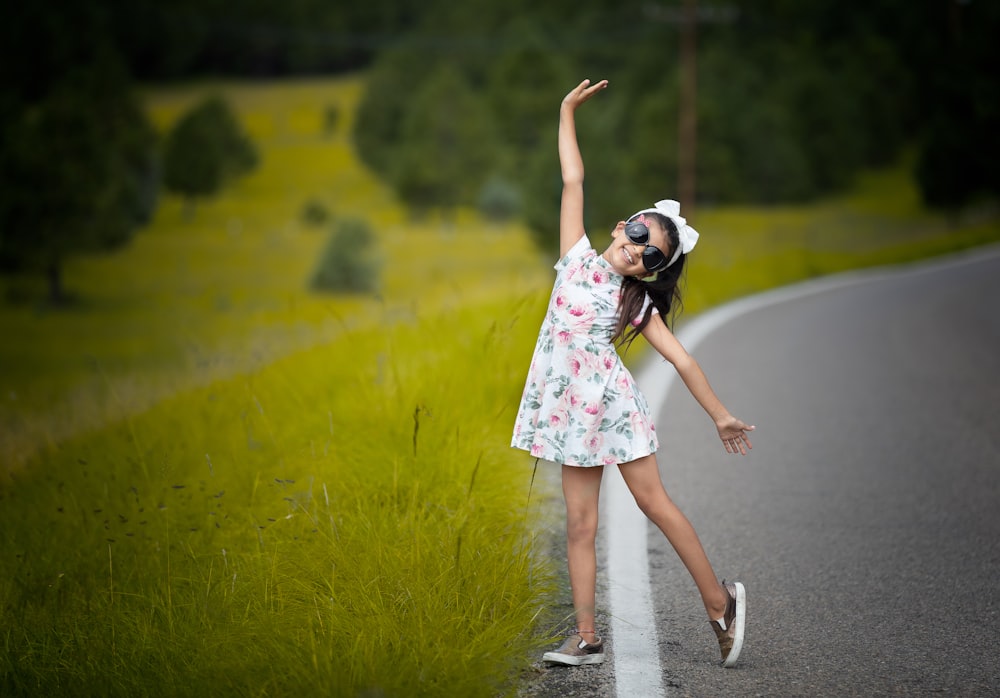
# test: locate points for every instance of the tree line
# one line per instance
(81, 170)
(81, 166)
(793, 99)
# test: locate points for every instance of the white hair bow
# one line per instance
(672, 209)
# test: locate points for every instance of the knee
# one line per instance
(646, 504)
(655, 505)
(581, 528)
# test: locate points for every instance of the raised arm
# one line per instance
(571, 163)
(732, 431)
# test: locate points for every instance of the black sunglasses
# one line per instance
(652, 257)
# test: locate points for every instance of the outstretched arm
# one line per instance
(571, 162)
(732, 431)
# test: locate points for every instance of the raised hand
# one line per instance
(582, 92)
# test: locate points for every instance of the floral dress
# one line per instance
(580, 404)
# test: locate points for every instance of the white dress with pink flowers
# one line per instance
(580, 404)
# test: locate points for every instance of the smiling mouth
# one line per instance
(628, 257)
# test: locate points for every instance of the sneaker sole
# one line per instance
(571, 660)
(740, 622)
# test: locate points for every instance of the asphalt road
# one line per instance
(866, 523)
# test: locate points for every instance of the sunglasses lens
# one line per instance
(637, 232)
(653, 259)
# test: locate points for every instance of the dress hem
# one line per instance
(549, 458)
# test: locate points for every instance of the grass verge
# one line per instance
(348, 521)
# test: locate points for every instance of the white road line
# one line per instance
(633, 623)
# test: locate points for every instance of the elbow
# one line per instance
(684, 364)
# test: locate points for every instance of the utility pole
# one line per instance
(687, 18)
(687, 146)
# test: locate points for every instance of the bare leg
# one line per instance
(643, 479)
(582, 489)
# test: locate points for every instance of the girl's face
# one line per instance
(626, 256)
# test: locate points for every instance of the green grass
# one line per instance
(346, 521)
(215, 482)
(189, 302)
(880, 221)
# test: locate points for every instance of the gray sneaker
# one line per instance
(730, 629)
(576, 651)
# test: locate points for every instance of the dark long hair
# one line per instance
(663, 291)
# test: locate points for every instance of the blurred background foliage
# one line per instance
(794, 98)
(347, 264)
(204, 149)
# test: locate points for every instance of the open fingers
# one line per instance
(739, 444)
(585, 91)
(593, 89)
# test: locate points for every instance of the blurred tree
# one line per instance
(959, 158)
(520, 85)
(499, 199)
(388, 93)
(347, 264)
(314, 213)
(205, 149)
(78, 171)
(254, 37)
(542, 186)
(448, 143)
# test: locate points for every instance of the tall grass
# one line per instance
(345, 522)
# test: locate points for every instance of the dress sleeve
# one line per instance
(645, 304)
(578, 251)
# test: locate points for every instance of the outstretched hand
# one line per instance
(582, 92)
(733, 433)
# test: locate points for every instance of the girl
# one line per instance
(581, 407)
